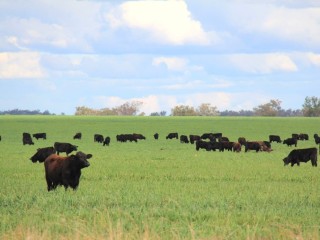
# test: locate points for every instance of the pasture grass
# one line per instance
(159, 189)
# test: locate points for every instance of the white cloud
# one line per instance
(20, 65)
(263, 63)
(172, 63)
(314, 58)
(166, 21)
(292, 25)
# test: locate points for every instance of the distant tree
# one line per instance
(183, 110)
(205, 109)
(311, 107)
(128, 108)
(271, 108)
(85, 111)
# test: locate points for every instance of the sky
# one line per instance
(235, 54)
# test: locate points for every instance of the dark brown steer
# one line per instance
(65, 171)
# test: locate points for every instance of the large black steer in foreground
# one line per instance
(301, 155)
(65, 171)
(42, 154)
(65, 147)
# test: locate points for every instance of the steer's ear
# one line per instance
(89, 156)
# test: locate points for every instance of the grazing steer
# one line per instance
(184, 139)
(208, 145)
(290, 142)
(301, 155)
(226, 145)
(65, 147)
(98, 138)
(40, 135)
(172, 135)
(274, 138)
(236, 147)
(26, 139)
(78, 136)
(138, 136)
(316, 138)
(203, 144)
(303, 136)
(265, 146)
(252, 146)
(42, 154)
(156, 136)
(242, 141)
(207, 136)
(194, 138)
(106, 141)
(65, 171)
(223, 139)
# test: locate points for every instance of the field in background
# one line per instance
(159, 189)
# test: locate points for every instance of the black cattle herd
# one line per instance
(66, 170)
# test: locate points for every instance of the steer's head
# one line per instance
(286, 161)
(83, 159)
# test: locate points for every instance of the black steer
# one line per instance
(65, 147)
(42, 154)
(301, 155)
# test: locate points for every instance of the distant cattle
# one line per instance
(217, 135)
(40, 135)
(301, 155)
(78, 135)
(208, 146)
(0, 138)
(172, 135)
(209, 136)
(194, 138)
(242, 141)
(226, 145)
(203, 145)
(65, 147)
(236, 147)
(139, 136)
(303, 136)
(126, 137)
(290, 142)
(252, 146)
(316, 138)
(265, 146)
(184, 139)
(223, 139)
(65, 171)
(106, 141)
(26, 139)
(156, 136)
(295, 135)
(98, 138)
(42, 154)
(274, 138)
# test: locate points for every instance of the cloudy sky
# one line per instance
(235, 54)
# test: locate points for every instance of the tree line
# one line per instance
(25, 112)
(310, 108)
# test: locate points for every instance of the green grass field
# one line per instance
(159, 189)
